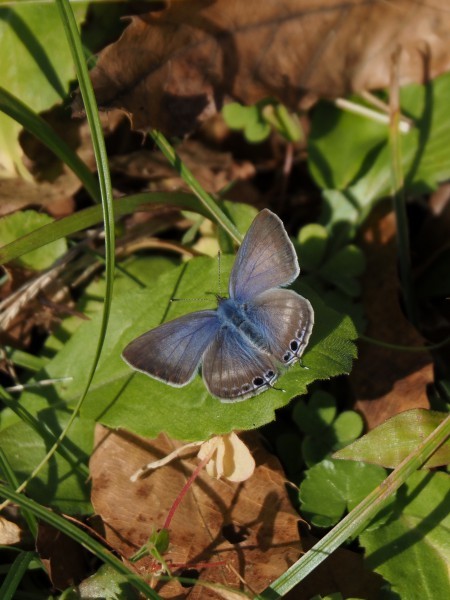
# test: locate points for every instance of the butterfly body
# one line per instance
(255, 334)
(237, 317)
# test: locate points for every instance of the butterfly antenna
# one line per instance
(277, 389)
(202, 299)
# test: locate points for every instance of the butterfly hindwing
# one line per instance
(233, 369)
(173, 351)
(285, 320)
(265, 260)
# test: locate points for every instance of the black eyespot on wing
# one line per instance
(257, 381)
(287, 356)
(269, 374)
(294, 345)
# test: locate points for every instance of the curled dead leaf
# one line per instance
(172, 69)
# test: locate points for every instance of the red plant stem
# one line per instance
(185, 488)
(203, 565)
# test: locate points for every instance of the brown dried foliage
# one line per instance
(172, 69)
(248, 528)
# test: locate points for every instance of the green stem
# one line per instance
(213, 211)
(14, 576)
(401, 348)
(399, 201)
(9, 476)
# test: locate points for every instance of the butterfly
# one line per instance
(252, 337)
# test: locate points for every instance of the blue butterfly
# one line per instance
(246, 343)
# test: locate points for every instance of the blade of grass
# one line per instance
(15, 574)
(93, 215)
(212, 208)
(9, 476)
(398, 194)
(74, 41)
(356, 520)
(35, 124)
(79, 536)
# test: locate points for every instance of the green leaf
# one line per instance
(134, 273)
(392, 441)
(107, 584)
(315, 449)
(120, 397)
(349, 261)
(412, 551)
(348, 426)
(242, 215)
(39, 71)
(320, 443)
(358, 173)
(315, 415)
(327, 260)
(341, 144)
(236, 115)
(61, 484)
(249, 119)
(256, 131)
(161, 540)
(351, 287)
(20, 223)
(313, 240)
(324, 432)
(332, 487)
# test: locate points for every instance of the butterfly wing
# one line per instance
(265, 260)
(173, 351)
(233, 369)
(285, 320)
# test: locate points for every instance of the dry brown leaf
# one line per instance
(213, 169)
(64, 559)
(55, 198)
(10, 532)
(249, 527)
(172, 69)
(387, 381)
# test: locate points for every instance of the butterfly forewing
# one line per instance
(265, 260)
(172, 352)
(234, 369)
(285, 320)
